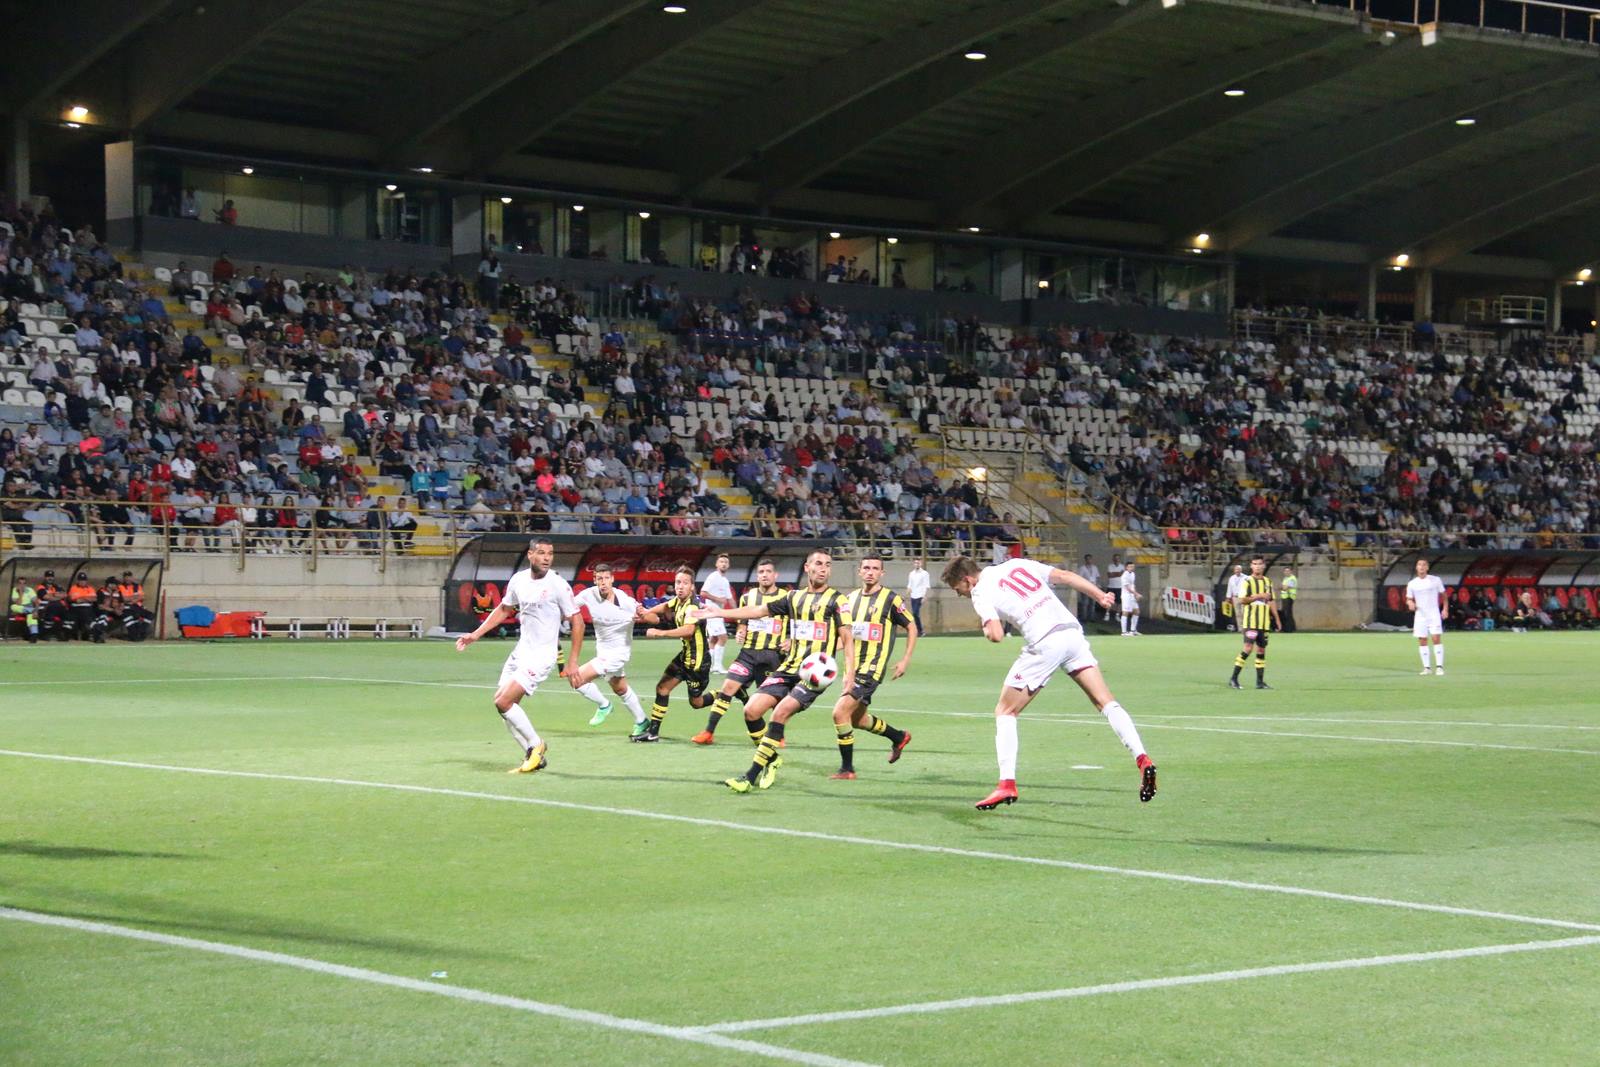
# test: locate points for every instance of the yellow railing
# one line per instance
(1566, 22)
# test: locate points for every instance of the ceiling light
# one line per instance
(1044, 283)
(505, 200)
(974, 229)
(577, 207)
(73, 125)
(1202, 239)
(391, 187)
(1397, 268)
(1198, 251)
(247, 170)
(1594, 322)
(1466, 120)
(78, 113)
(833, 235)
(1402, 259)
(892, 240)
(644, 214)
(674, 9)
(423, 170)
(975, 55)
(1233, 90)
(1585, 272)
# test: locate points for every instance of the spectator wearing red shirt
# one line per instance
(222, 271)
(310, 453)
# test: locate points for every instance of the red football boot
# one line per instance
(1004, 793)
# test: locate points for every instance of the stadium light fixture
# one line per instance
(505, 200)
(73, 125)
(1585, 273)
(78, 113)
(1466, 120)
(1401, 260)
(391, 187)
(1201, 240)
(976, 56)
(974, 229)
(1233, 90)
(833, 235)
(1594, 322)
(247, 170)
(423, 170)
(577, 207)
(1170, 4)
(674, 9)
(1044, 283)
(644, 214)
(892, 240)
(979, 474)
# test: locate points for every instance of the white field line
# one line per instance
(1380, 722)
(817, 835)
(935, 1006)
(415, 985)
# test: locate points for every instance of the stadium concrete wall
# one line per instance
(1326, 601)
(282, 586)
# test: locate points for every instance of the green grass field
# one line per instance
(622, 906)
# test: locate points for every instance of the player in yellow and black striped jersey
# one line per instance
(762, 645)
(874, 613)
(817, 622)
(692, 664)
(1258, 617)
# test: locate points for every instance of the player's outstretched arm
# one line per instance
(751, 611)
(499, 615)
(685, 630)
(1083, 585)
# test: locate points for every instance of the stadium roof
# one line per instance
(1085, 119)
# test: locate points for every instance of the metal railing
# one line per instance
(1538, 18)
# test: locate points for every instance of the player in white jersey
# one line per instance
(541, 599)
(612, 613)
(1130, 601)
(1018, 592)
(716, 592)
(1430, 607)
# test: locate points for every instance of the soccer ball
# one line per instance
(818, 670)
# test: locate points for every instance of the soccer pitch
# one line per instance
(310, 853)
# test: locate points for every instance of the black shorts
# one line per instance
(780, 684)
(752, 667)
(863, 690)
(698, 678)
(1256, 637)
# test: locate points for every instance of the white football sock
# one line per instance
(517, 719)
(1427, 659)
(1005, 745)
(1133, 623)
(1438, 654)
(591, 692)
(516, 734)
(1124, 619)
(1127, 733)
(631, 700)
(716, 657)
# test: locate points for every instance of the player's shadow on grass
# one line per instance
(85, 852)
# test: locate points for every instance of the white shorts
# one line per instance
(1421, 627)
(1066, 650)
(527, 671)
(1130, 603)
(609, 665)
(716, 628)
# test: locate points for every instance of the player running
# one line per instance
(541, 599)
(691, 665)
(1430, 607)
(612, 612)
(818, 622)
(761, 647)
(874, 612)
(1257, 617)
(716, 590)
(1017, 592)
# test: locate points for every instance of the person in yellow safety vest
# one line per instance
(1288, 590)
(23, 603)
(81, 599)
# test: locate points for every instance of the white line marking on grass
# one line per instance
(1380, 722)
(415, 985)
(817, 835)
(1001, 1000)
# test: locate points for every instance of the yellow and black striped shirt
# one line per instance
(1257, 616)
(762, 635)
(695, 645)
(873, 617)
(814, 621)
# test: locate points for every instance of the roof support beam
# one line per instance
(1084, 171)
(169, 61)
(534, 102)
(1266, 190)
(1513, 216)
(823, 145)
(716, 141)
(438, 88)
(1031, 148)
(68, 39)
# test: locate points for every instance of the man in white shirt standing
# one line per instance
(1018, 593)
(1430, 606)
(541, 599)
(917, 583)
(1089, 571)
(612, 613)
(1235, 591)
(718, 593)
